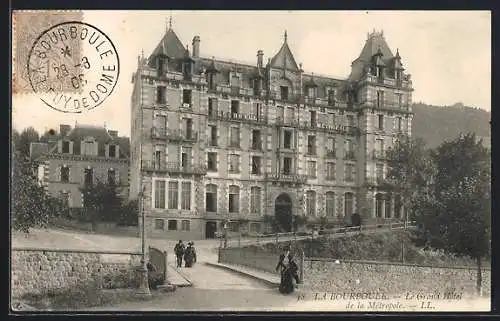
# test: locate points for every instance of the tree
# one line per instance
(15, 138)
(31, 206)
(299, 221)
(456, 217)
(101, 202)
(28, 135)
(410, 170)
(129, 213)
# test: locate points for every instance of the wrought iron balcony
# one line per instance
(173, 167)
(285, 178)
(379, 154)
(174, 134)
(350, 155)
(329, 154)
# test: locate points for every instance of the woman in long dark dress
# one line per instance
(288, 269)
(189, 255)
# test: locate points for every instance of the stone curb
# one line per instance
(236, 270)
(182, 285)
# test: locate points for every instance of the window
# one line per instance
(211, 198)
(311, 169)
(256, 140)
(280, 113)
(65, 147)
(256, 165)
(235, 80)
(64, 174)
(173, 195)
(159, 194)
(161, 95)
(330, 147)
(212, 107)
(159, 224)
(255, 227)
(381, 122)
(186, 96)
(379, 148)
(234, 163)
(157, 159)
(185, 225)
(349, 172)
(399, 122)
(187, 128)
(398, 204)
(287, 165)
(350, 120)
(311, 145)
(89, 177)
(331, 119)
(185, 158)
(287, 139)
(88, 147)
(349, 149)
(186, 196)
(111, 176)
(380, 98)
(66, 198)
(379, 205)
(330, 204)
(284, 92)
(380, 171)
(330, 171)
(255, 204)
(331, 97)
(234, 199)
(348, 204)
(313, 118)
(172, 225)
(212, 161)
(213, 135)
(399, 99)
(290, 115)
(311, 92)
(235, 107)
(310, 203)
(388, 207)
(234, 137)
(256, 110)
(112, 151)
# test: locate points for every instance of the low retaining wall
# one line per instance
(366, 276)
(39, 271)
(101, 227)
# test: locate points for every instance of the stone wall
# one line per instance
(38, 271)
(390, 278)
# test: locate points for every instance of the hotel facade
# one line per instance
(215, 141)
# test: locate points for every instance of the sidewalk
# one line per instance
(176, 278)
(270, 279)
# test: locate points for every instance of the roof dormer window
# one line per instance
(89, 147)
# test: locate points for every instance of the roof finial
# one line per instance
(286, 36)
(170, 21)
(142, 53)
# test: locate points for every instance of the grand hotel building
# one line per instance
(216, 140)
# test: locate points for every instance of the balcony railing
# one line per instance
(257, 145)
(174, 134)
(379, 154)
(350, 155)
(286, 178)
(174, 167)
(378, 181)
(329, 154)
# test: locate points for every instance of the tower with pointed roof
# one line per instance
(216, 141)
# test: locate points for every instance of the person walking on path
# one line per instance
(179, 250)
(289, 271)
(190, 255)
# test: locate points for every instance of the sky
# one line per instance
(448, 53)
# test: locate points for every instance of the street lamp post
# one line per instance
(144, 284)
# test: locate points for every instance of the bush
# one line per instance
(155, 279)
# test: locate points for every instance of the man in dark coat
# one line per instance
(179, 252)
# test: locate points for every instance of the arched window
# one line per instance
(255, 200)
(330, 204)
(348, 204)
(311, 203)
(211, 198)
(234, 199)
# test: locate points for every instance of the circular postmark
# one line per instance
(73, 66)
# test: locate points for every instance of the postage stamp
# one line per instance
(26, 28)
(73, 65)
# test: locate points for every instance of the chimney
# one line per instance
(113, 133)
(260, 58)
(196, 47)
(64, 130)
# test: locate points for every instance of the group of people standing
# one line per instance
(187, 253)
